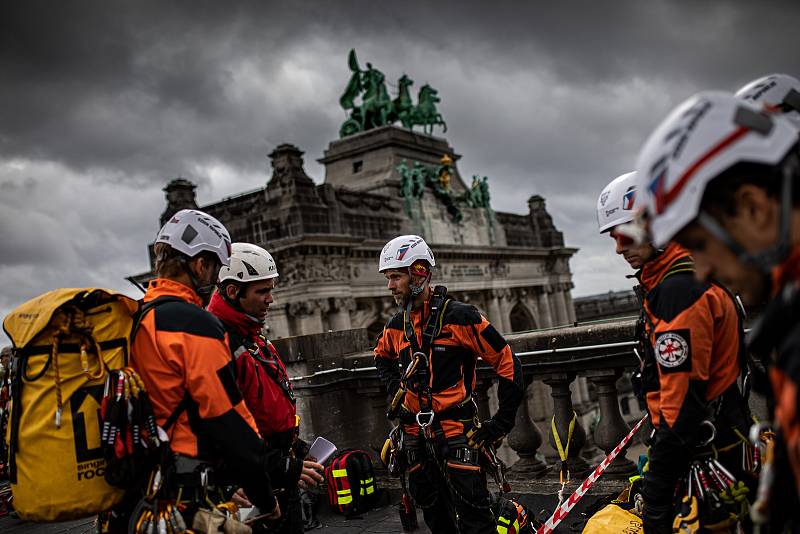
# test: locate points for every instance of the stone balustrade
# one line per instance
(340, 397)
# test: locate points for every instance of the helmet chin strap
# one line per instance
(203, 290)
(416, 289)
(768, 259)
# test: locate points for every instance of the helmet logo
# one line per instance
(761, 89)
(629, 198)
(401, 252)
(604, 197)
(250, 269)
(189, 234)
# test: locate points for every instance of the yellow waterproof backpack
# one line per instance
(64, 343)
(618, 517)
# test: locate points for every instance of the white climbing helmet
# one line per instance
(703, 137)
(404, 250)
(249, 263)
(616, 203)
(192, 232)
(776, 92)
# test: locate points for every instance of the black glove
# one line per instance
(490, 432)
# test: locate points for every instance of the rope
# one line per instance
(57, 379)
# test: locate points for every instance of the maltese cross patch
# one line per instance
(674, 351)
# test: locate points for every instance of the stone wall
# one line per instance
(326, 239)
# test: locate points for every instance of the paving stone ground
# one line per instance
(382, 520)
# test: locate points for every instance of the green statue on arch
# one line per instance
(377, 108)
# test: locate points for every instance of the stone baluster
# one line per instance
(525, 439)
(611, 428)
(562, 406)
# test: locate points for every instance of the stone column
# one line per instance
(308, 315)
(544, 307)
(504, 298)
(340, 316)
(278, 322)
(525, 439)
(495, 315)
(557, 299)
(564, 411)
(570, 304)
(611, 428)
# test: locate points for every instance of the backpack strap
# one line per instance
(145, 307)
(179, 409)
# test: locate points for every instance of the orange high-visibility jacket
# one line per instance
(465, 336)
(181, 350)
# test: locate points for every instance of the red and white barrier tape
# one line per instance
(567, 506)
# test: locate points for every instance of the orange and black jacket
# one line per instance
(777, 337)
(464, 337)
(181, 352)
(692, 363)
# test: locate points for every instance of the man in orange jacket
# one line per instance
(181, 352)
(690, 335)
(437, 341)
(721, 175)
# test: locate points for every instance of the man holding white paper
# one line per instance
(241, 303)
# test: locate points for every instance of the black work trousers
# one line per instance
(450, 490)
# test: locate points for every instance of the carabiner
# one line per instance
(713, 432)
(420, 415)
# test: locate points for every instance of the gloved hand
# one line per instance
(490, 432)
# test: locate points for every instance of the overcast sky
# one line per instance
(102, 103)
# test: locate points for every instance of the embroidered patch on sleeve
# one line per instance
(674, 351)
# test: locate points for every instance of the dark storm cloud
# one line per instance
(102, 102)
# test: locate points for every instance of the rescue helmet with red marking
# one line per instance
(617, 202)
(701, 139)
(411, 254)
(401, 252)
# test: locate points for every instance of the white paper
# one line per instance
(321, 449)
(246, 511)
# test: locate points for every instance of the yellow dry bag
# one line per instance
(614, 520)
(64, 343)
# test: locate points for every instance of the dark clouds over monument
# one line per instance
(102, 103)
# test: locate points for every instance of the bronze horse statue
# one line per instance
(425, 113)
